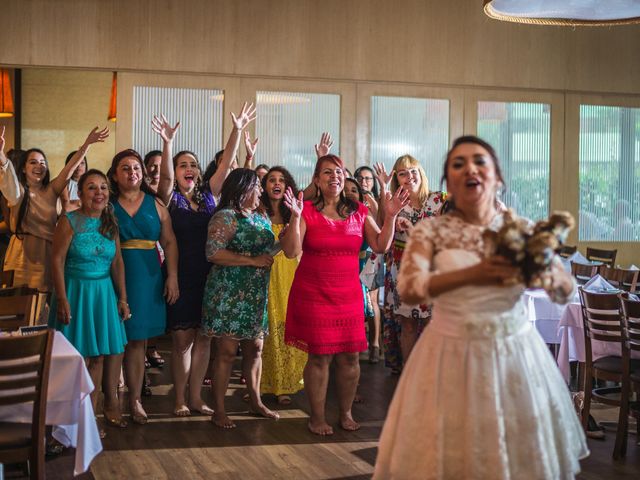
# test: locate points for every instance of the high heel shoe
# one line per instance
(115, 422)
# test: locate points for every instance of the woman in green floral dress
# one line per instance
(235, 297)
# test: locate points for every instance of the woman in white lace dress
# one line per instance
(480, 396)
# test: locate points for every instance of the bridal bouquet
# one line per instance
(528, 246)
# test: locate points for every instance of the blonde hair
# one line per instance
(407, 161)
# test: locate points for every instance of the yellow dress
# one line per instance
(282, 365)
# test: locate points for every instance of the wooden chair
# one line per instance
(626, 280)
(17, 307)
(631, 324)
(602, 321)
(24, 377)
(583, 273)
(6, 278)
(567, 250)
(608, 257)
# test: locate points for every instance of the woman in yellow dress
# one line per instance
(282, 365)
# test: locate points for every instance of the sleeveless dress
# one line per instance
(480, 396)
(393, 304)
(96, 327)
(190, 229)
(145, 283)
(29, 251)
(235, 297)
(325, 314)
(282, 365)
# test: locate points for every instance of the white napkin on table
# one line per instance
(633, 267)
(598, 284)
(579, 258)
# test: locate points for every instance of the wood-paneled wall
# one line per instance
(447, 42)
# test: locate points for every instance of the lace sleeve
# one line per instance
(413, 279)
(222, 228)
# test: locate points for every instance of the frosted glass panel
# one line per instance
(415, 126)
(289, 124)
(609, 173)
(521, 136)
(198, 110)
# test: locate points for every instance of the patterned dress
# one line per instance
(235, 297)
(282, 365)
(393, 305)
(95, 328)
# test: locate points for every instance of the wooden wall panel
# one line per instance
(426, 42)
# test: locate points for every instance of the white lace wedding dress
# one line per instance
(481, 396)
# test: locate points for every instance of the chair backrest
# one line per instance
(631, 321)
(24, 375)
(602, 318)
(607, 257)
(567, 250)
(626, 280)
(583, 273)
(17, 307)
(6, 278)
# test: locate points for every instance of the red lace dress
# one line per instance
(325, 314)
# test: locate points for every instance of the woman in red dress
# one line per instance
(325, 317)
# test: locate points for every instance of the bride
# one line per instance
(480, 396)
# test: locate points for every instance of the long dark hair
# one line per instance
(360, 190)
(115, 191)
(236, 188)
(108, 223)
(449, 204)
(285, 213)
(198, 196)
(345, 206)
(374, 190)
(22, 178)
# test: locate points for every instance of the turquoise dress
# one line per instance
(96, 327)
(235, 298)
(145, 282)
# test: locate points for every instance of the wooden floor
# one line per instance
(192, 448)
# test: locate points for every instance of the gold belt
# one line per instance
(138, 244)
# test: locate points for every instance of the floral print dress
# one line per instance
(235, 297)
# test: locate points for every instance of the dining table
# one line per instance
(69, 409)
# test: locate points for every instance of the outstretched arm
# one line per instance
(60, 182)
(250, 147)
(244, 118)
(9, 184)
(384, 178)
(163, 128)
(291, 239)
(323, 148)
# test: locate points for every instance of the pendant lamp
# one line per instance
(114, 95)
(6, 97)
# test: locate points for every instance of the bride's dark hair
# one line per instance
(449, 204)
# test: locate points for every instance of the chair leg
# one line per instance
(588, 381)
(620, 447)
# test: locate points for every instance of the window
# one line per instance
(609, 173)
(415, 126)
(521, 135)
(198, 110)
(289, 124)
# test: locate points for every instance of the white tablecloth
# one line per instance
(543, 314)
(69, 406)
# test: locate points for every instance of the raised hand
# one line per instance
(381, 174)
(96, 136)
(294, 204)
(324, 147)
(245, 117)
(249, 145)
(2, 141)
(395, 203)
(162, 127)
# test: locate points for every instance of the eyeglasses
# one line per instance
(360, 178)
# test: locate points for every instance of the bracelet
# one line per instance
(124, 302)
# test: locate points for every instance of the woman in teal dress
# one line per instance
(86, 264)
(142, 221)
(235, 298)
